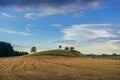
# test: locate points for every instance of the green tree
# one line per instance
(66, 48)
(33, 49)
(6, 49)
(72, 48)
(60, 46)
(103, 54)
(114, 54)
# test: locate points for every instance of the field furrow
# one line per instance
(58, 68)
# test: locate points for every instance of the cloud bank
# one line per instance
(50, 3)
(52, 7)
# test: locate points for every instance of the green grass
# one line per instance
(56, 53)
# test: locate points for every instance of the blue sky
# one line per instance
(91, 26)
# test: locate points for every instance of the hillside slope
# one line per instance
(58, 68)
(57, 53)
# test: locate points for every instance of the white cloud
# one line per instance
(87, 31)
(54, 11)
(96, 4)
(75, 8)
(31, 15)
(96, 37)
(7, 15)
(101, 34)
(15, 32)
(48, 11)
(59, 25)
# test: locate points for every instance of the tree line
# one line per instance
(7, 50)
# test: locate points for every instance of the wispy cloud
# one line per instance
(7, 15)
(63, 41)
(52, 7)
(31, 15)
(96, 37)
(28, 28)
(59, 25)
(89, 31)
(15, 32)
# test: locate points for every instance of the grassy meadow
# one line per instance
(58, 68)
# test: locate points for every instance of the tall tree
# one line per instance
(60, 46)
(72, 48)
(33, 49)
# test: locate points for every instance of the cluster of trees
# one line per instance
(72, 49)
(67, 48)
(7, 50)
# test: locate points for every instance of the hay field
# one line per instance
(58, 68)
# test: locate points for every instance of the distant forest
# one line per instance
(7, 50)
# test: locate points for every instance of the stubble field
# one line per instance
(58, 68)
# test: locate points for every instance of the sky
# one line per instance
(91, 26)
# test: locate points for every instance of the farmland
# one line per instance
(58, 68)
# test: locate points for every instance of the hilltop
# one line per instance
(57, 53)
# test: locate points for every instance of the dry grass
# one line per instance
(58, 68)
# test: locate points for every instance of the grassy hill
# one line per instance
(57, 53)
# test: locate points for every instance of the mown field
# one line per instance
(58, 68)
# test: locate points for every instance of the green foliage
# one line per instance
(33, 49)
(60, 46)
(72, 48)
(17, 53)
(66, 48)
(7, 50)
(114, 54)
